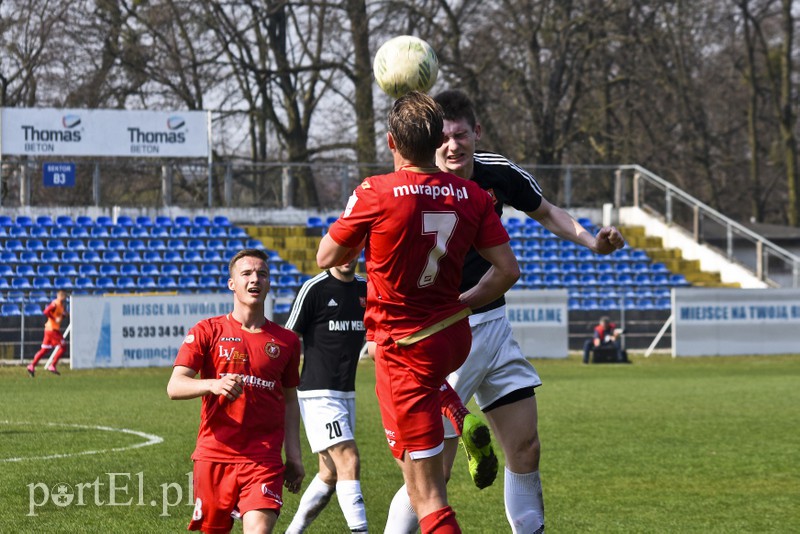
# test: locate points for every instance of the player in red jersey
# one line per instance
(53, 338)
(418, 224)
(249, 371)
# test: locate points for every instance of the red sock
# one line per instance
(452, 407)
(441, 521)
(59, 352)
(38, 357)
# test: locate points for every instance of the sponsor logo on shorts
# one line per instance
(269, 493)
(390, 435)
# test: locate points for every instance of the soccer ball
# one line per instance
(404, 64)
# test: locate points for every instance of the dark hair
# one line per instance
(416, 124)
(456, 105)
(246, 253)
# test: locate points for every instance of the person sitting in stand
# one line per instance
(606, 336)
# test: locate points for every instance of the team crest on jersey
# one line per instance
(492, 195)
(362, 301)
(273, 350)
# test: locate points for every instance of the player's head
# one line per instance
(461, 133)
(346, 271)
(604, 320)
(249, 275)
(415, 127)
(61, 294)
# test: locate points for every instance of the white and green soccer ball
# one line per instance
(404, 64)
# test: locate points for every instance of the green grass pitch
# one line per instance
(663, 445)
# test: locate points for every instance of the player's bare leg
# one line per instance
(427, 489)
(259, 521)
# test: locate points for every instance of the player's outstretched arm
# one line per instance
(295, 472)
(182, 385)
(330, 253)
(503, 273)
(564, 225)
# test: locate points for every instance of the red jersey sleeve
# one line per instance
(194, 348)
(361, 210)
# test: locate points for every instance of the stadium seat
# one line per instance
(609, 304)
(137, 245)
(234, 244)
(10, 310)
(215, 244)
(256, 244)
(149, 269)
(7, 257)
(645, 303)
(41, 282)
(156, 244)
(152, 256)
(202, 220)
(66, 269)
(210, 269)
(21, 283)
(117, 245)
(128, 269)
(167, 282)
(221, 220)
(182, 220)
(588, 279)
(144, 220)
(639, 255)
(6, 221)
(70, 256)
(108, 269)
(178, 231)
(75, 245)
(18, 232)
(212, 256)
(175, 245)
(64, 221)
(163, 221)
(192, 256)
(91, 256)
(196, 244)
(678, 280)
(100, 232)
(639, 267)
(170, 269)
(15, 295)
(47, 269)
(130, 256)
(533, 281)
(663, 303)
(87, 269)
(39, 232)
(139, 232)
(6, 270)
(159, 231)
(315, 222)
(24, 220)
(36, 245)
(38, 297)
(198, 231)
(590, 304)
(3, 285)
(173, 256)
(281, 308)
(187, 282)
(84, 220)
(208, 282)
(125, 221)
(218, 232)
(112, 256)
(642, 279)
(659, 267)
(235, 231)
(29, 257)
(552, 280)
(105, 283)
(125, 282)
(120, 232)
(63, 282)
(79, 232)
(146, 282)
(660, 279)
(190, 269)
(96, 245)
(574, 304)
(570, 280)
(25, 269)
(624, 279)
(104, 220)
(59, 232)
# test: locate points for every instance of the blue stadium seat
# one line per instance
(8, 257)
(588, 279)
(130, 256)
(315, 222)
(21, 282)
(10, 310)
(87, 270)
(24, 220)
(167, 282)
(39, 297)
(63, 282)
(29, 257)
(125, 282)
(196, 244)
(139, 232)
(551, 268)
(108, 269)
(574, 303)
(117, 245)
(79, 232)
(6, 270)
(47, 269)
(162, 220)
(209, 282)
(221, 220)
(570, 279)
(215, 244)
(170, 269)
(178, 231)
(84, 220)
(624, 279)
(256, 244)
(202, 220)
(198, 231)
(59, 232)
(42, 282)
(288, 268)
(586, 268)
(622, 267)
(149, 269)
(112, 256)
(281, 308)
(639, 255)
(549, 255)
(64, 221)
(128, 269)
(659, 268)
(66, 269)
(144, 220)
(210, 269)
(96, 245)
(645, 303)
(569, 267)
(18, 232)
(552, 280)
(235, 245)
(175, 244)
(173, 256)
(152, 256)
(136, 245)
(120, 232)
(660, 279)
(590, 304)
(15, 295)
(25, 269)
(663, 303)
(531, 256)
(4, 285)
(190, 269)
(192, 256)
(70, 256)
(533, 281)
(6, 221)
(104, 220)
(91, 256)
(609, 304)
(125, 221)
(105, 283)
(36, 245)
(228, 254)
(187, 282)
(100, 232)
(39, 232)
(156, 244)
(212, 255)
(533, 267)
(183, 220)
(218, 232)
(159, 231)
(642, 279)
(146, 282)
(235, 231)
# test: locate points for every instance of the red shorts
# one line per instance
(52, 338)
(221, 487)
(407, 384)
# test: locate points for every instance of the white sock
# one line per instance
(402, 519)
(524, 504)
(313, 501)
(351, 501)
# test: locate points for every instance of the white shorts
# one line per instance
(494, 368)
(328, 421)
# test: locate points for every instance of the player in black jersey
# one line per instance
(496, 372)
(328, 314)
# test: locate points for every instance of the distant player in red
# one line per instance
(418, 224)
(248, 370)
(53, 338)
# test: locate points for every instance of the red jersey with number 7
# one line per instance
(419, 224)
